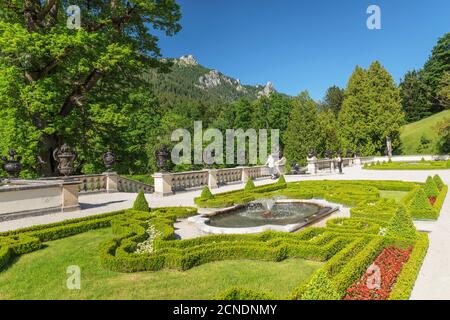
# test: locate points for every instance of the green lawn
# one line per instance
(411, 133)
(144, 178)
(418, 165)
(396, 195)
(42, 275)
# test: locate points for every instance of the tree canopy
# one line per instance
(371, 111)
(81, 86)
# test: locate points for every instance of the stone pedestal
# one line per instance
(245, 175)
(163, 184)
(70, 195)
(312, 165)
(112, 181)
(332, 167)
(357, 161)
(212, 179)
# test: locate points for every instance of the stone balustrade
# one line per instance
(107, 182)
(316, 166)
(168, 183)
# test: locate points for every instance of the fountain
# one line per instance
(278, 214)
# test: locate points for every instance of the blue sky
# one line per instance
(306, 45)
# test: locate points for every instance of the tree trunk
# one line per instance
(47, 166)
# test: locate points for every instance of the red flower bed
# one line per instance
(377, 282)
(432, 200)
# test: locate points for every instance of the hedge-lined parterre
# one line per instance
(347, 246)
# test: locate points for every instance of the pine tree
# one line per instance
(333, 100)
(435, 68)
(415, 96)
(371, 111)
(302, 130)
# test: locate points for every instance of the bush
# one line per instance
(320, 288)
(438, 181)
(281, 180)
(206, 194)
(401, 225)
(244, 294)
(430, 188)
(141, 204)
(420, 201)
(249, 186)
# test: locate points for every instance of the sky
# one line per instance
(306, 45)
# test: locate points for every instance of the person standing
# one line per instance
(270, 163)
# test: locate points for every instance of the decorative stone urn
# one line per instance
(162, 155)
(12, 165)
(65, 158)
(108, 160)
(311, 153)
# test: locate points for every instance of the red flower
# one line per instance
(380, 277)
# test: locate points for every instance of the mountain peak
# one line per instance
(267, 91)
(188, 59)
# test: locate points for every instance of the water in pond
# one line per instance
(267, 212)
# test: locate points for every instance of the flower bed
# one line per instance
(380, 277)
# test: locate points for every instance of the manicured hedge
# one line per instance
(408, 275)
(347, 246)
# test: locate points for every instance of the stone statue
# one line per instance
(388, 147)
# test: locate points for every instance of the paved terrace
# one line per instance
(434, 278)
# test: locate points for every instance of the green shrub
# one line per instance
(401, 225)
(141, 204)
(438, 181)
(320, 288)
(237, 293)
(249, 186)
(206, 194)
(420, 201)
(430, 188)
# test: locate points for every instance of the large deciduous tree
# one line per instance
(371, 111)
(76, 85)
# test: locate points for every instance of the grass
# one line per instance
(144, 178)
(390, 194)
(42, 275)
(418, 165)
(411, 133)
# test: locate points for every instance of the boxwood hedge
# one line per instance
(347, 246)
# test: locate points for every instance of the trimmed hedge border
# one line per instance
(347, 246)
